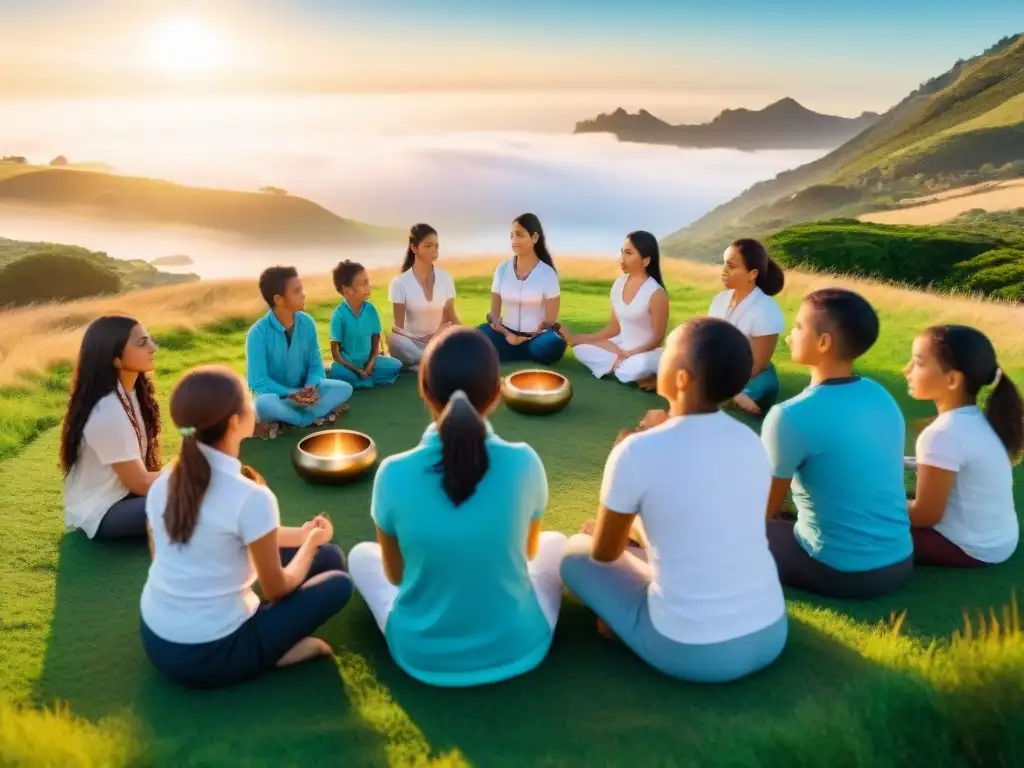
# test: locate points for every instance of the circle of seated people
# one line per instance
(692, 583)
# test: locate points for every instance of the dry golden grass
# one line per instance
(1002, 196)
(35, 338)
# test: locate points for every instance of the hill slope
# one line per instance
(962, 127)
(782, 125)
(259, 216)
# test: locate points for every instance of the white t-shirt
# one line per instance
(757, 315)
(522, 301)
(979, 516)
(422, 316)
(713, 577)
(202, 591)
(92, 486)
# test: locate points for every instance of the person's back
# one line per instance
(466, 611)
(461, 580)
(848, 490)
(714, 578)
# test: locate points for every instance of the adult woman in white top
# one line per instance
(751, 278)
(214, 532)
(422, 298)
(630, 344)
(109, 448)
(963, 514)
(702, 600)
(523, 320)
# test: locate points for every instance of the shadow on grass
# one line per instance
(590, 702)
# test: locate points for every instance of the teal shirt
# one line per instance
(466, 613)
(275, 366)
(354, 333)
(842, 444)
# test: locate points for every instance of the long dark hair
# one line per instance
(969, 351)
(770, 278)
(462, 360)
(94, 378)
(417, 234)
(202, 403)
(647, 245)
(531, 224)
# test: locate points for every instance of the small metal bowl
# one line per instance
(334, 456)
(536, 391)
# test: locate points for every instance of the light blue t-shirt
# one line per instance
(466, 613)
(354, 333)
(842, 444)
(277, 365)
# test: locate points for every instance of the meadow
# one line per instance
(931, 674)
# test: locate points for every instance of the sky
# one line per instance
(845, 56)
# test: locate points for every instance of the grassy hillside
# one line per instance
(853, 688)
(962, 257)
(260, 216)
(133, 274)
(963, 127)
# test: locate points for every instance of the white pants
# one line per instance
(366, 566)
(600, 361)
(408, 351)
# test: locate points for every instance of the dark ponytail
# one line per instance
(969, 351)
(202, 403)
(531, 224)
(417, 234)
(770, 278)
(460, 376)
(464, 460)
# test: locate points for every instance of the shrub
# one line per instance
(58, 161)
(52, 276)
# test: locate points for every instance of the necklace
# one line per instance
(129, 411)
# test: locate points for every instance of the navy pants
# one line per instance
(257, 646)
(125, 520)
(547, 348)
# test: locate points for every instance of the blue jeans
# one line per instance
(547, 348)
(617, 593)
(763, 389)
(272, 407)
(385, 371)
(257, 646)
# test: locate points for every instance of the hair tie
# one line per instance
(187, 431)
(997, 378)
(458, 394)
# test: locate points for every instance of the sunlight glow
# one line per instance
(186, 46)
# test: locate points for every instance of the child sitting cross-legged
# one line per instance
(355, 333)
(839, 444)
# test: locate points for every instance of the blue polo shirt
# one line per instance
(355, 332)
(277, 365)
(466, 613)
(842, 444)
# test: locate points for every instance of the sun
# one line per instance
(185, 46)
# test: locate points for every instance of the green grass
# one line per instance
(849, 690)
(949, 130)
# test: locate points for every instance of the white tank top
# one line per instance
(635, 328)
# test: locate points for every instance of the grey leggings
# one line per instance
(617, 593)
(125, 520)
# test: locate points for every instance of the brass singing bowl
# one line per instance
(536, 391)
(334, 456)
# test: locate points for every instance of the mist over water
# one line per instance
(383, 167)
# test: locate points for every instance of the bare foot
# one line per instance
(649, 384)
(588, 527)
(744, 403)
(307, 648)
(605, 631)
